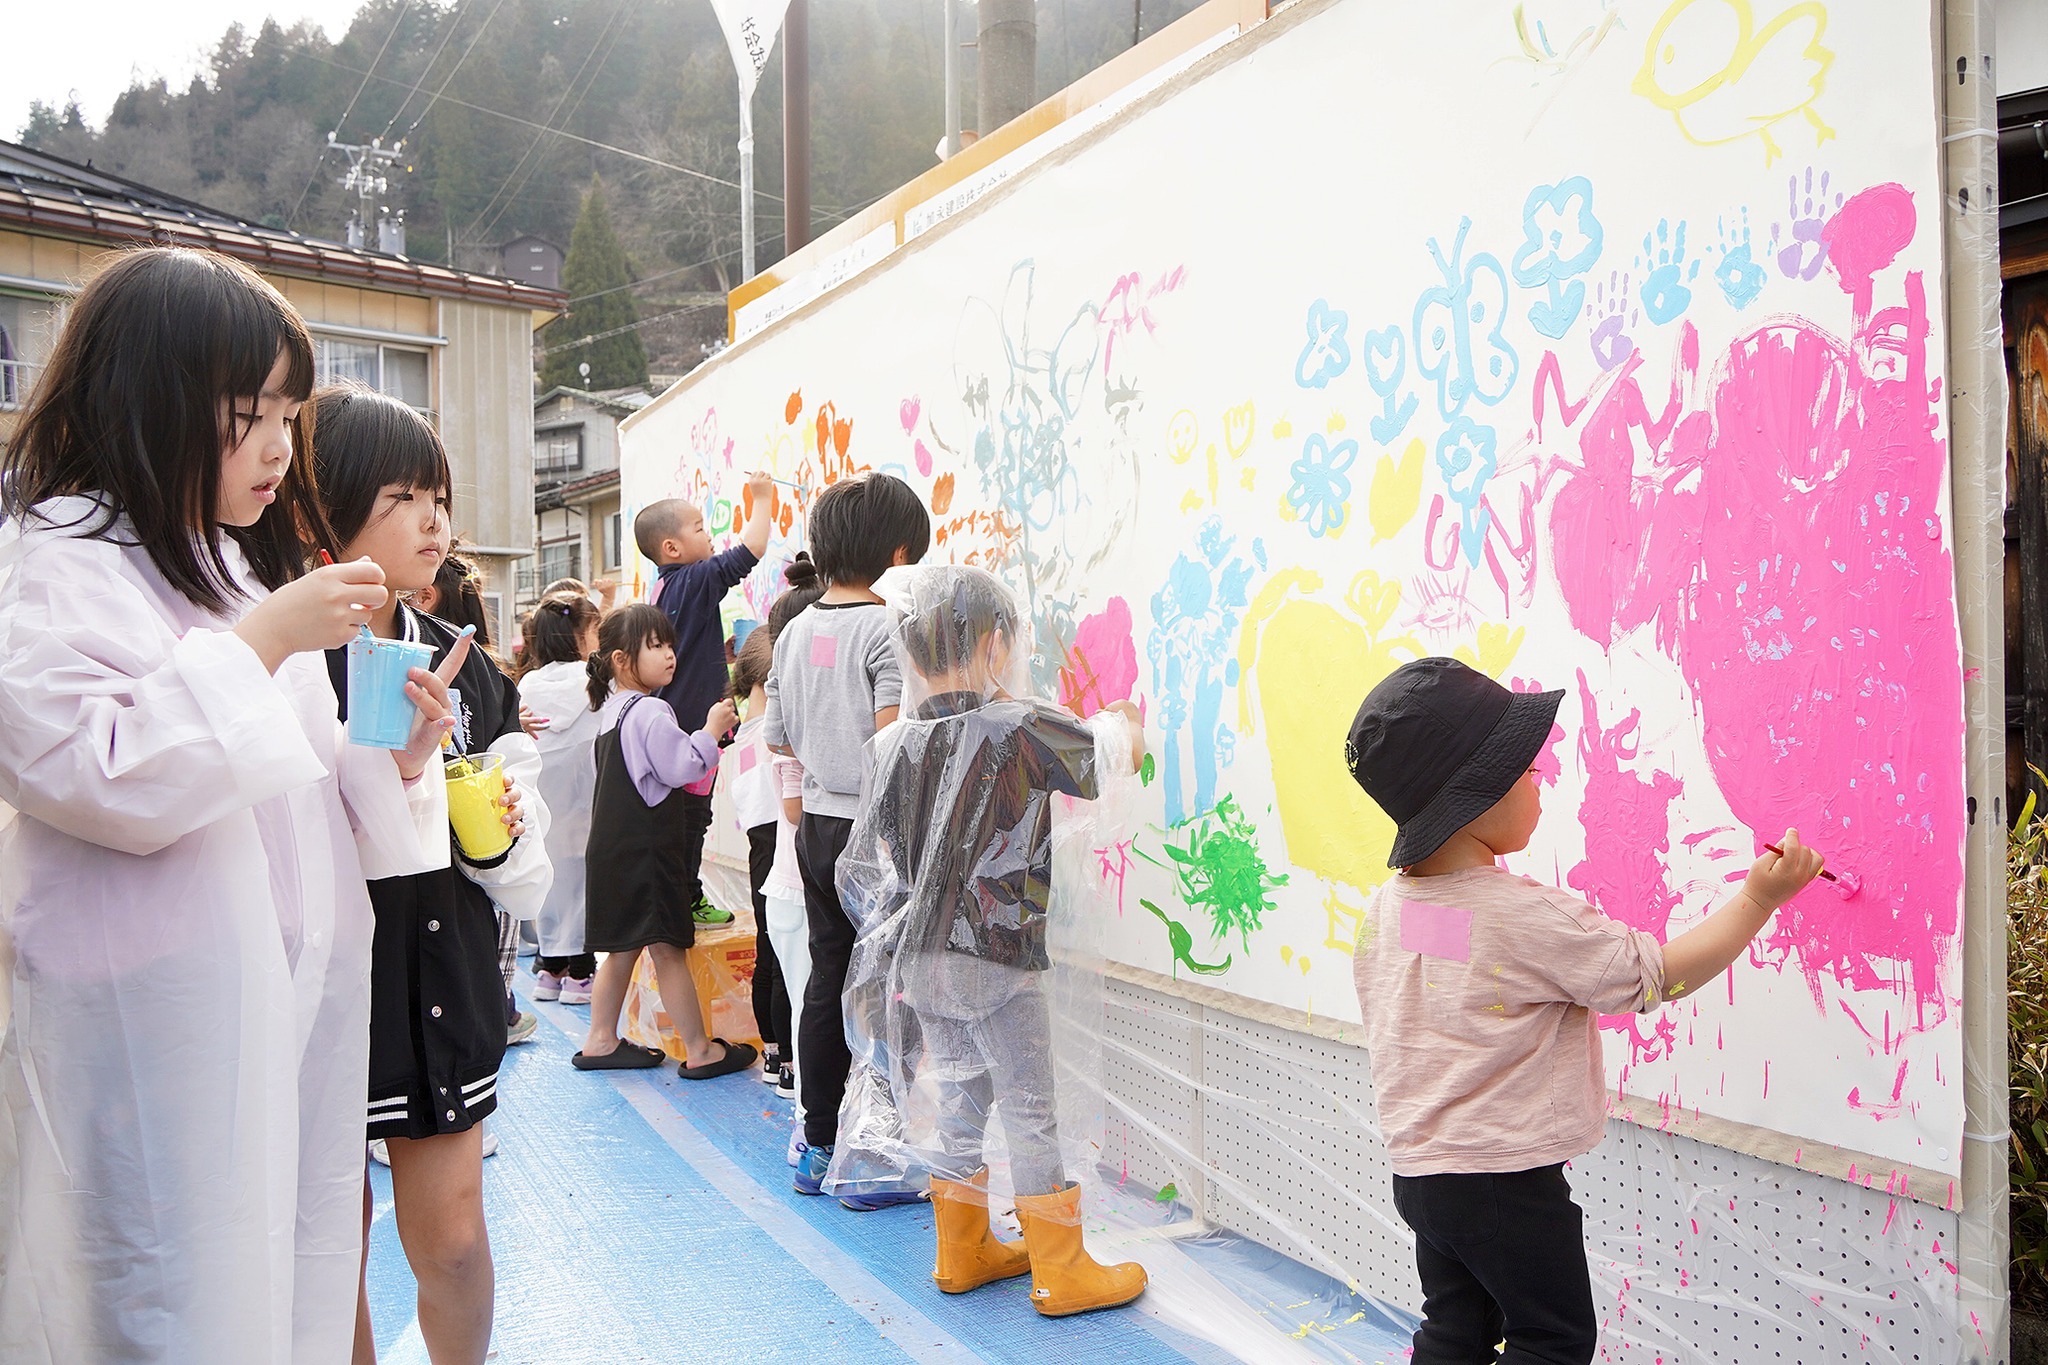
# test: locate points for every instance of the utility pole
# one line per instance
(796, 127)
(952, 143)
(1008, 46)
(366, 179)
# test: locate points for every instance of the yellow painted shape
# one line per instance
(1345, 923)
(1249, 476)
(1190, 501)
(1396, 491)
(1497, 646)
(1183, 434)
(1212, 474)
(1282, 429)
(1286, 953)
(1332, 827)
(1335, 424)
(1238, 427)
(1723, 79)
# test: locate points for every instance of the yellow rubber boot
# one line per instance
(1064, 1277)
(970, 1255)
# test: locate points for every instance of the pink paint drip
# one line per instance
(1808, 599)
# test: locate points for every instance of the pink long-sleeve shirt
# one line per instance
(1480, 990)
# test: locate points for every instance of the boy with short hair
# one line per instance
(1480, 991)
(834, 683)
(693, 582)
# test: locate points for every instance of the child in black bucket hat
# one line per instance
(1480, 989)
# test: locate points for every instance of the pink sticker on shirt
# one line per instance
(824, 651)
(748, 758)
(1443, 931)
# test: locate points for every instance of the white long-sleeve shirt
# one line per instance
(183, 910)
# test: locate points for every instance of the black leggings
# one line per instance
(1502, 1257)
(821, 1032)
(771, 995)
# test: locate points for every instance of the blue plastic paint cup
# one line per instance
(380, 715)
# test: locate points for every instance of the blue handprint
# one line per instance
(1458, 340)
(1739, 275)
(1386, 361)
(1665, 292)
(1561, 239)
(1327, 354)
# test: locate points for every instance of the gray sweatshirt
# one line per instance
(835, 666)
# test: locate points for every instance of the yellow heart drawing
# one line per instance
(1396, 491)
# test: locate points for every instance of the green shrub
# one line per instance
(2027, 1052)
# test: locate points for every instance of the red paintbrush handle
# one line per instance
(1825, 874)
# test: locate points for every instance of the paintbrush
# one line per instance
(1846, 885)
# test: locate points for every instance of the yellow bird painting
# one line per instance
(1723, 78)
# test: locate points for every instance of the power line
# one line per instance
(475, 38)
(629, 327)
(343, 120)
(593, 65)
(573, 137)
(299, 203)
(454, 22)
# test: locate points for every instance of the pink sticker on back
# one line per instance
(824, 651)
(748, 758)
(1443, 931)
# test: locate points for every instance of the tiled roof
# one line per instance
(48, 194)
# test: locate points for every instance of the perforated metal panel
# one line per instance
(1699, 1254)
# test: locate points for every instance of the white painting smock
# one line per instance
(183, 911)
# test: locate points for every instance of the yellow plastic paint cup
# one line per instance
(476, 784)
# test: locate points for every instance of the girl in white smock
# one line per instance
(182, 901)
(553, 684)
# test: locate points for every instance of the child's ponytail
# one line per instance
(599, 668)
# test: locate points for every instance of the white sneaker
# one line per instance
(490, 1140)
(380, 1153)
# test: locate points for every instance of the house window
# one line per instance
(614, 536)
(561, 560)
(397, 370)
(28, 328)
(405, 376)
(559, 451)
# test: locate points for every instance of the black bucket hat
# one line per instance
(1436, 744)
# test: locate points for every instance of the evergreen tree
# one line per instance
(596, 273)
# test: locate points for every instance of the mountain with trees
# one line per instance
(508, 108)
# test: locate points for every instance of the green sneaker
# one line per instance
(707, 913)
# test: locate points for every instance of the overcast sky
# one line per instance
(90, 49)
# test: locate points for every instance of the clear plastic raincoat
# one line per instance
(971, 799)
(186, 930)
(568, 780)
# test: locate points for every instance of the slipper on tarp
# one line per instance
(625, 1057)
(738, 1057)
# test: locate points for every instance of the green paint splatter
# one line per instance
(1148, 770)
(1220, 870)
(1183, 945)
(1167, 1193)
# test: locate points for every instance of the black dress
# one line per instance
(635, 868)
(437, 998)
